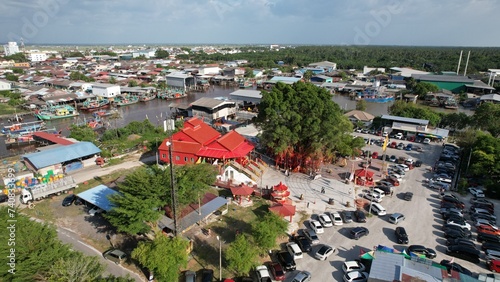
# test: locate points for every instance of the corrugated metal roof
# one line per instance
(61, 154)
(442, 78)
(405, 119)
(99, 196)
(208, 103)
(244, 93)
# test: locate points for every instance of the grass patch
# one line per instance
(115, 161)
(41, 210)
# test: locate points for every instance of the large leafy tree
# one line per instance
(241, 255)
(487, 117)
(76, 267)
(455, 121)
(164, 256)
(302, 126)
(267, 230)
(422, 88)
(146, 191)
(485, 159)
(410, 110)
(161, 54)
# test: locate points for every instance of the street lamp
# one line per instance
(220, 257)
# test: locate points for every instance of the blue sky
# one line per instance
(337, 22)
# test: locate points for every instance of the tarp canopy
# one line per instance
(363, 173)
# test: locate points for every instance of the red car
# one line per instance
(393, 180)
(375, 155)
(483, 228)
(277, 271)
(494, 265)
(393, 144)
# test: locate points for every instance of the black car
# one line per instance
(207, 275)
(490, 246)
(419, 249)
(451, 233)
(487, 207)
(303, 242)
(408, 196)
(346, 216)
(401, 235)
(464, 252)
(68, 201)
(485, 237)
(358, 232)
(490, 218)
(460, 241)
(286, 260)
(448, 205)
(455, 266)
(387, 190)
(360, 216)
(453, 200)
(418, 163)
(481, 201)
(3, 198)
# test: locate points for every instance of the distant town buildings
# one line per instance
(11, 48)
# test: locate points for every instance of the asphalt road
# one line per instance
(423, 222)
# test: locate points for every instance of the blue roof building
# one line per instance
(99, 196)
(60, 156)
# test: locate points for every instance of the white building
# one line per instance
(37, 57)
(11, 48)
(105, 90)
(209, 70)
(5, 85)
(146, 53)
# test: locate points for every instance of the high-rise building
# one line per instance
(11, 48)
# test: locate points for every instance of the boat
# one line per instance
(104, 113)
(147, 97)
(125, 100)
(94, 123)
(56, 112)
(451, 103)
(245, 84)
(25, 138)
(374, 95)
(25, 127)
(171, 94)
(95, 104)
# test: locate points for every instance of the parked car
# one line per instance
(408, 196)
(373, 197)
(355, 276)
(393, 159)
(399, 136)
(286, 260)
(378, 209)
(360, 216)
(459, 222)
(454, 233)
(488, 228)
(312, 236)
(409, 147)
(277, 271)
(294, 250)
(303, 276)
(68, 200)
(336, 218)
(401, 235)
(460, 241)
(456, 267)
(115, 255)
(489, 208)
(490, 218)
(491, 255)
(485, 237)
(481, 201)
(353, 265)
(494, 265)
(346, 216)
(303, 242)
(478, 193)
(426, 141)
(490, 246)
(396, 218)
(324, 252)
(95, 210)
(400, 146)
(358, 232)
(325, 220)
(316, 226)
(262, 274)
(453, 200)
(464, 252)
(475, 210)
(419, 249)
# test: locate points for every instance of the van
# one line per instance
(378, 209)
(379, 192)
(294, 250)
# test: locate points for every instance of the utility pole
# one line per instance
(173, 192)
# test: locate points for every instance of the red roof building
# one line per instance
(198, 140)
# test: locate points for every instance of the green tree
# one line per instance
(18, 70)
(82, 133)
(132, 83)
(76, 267)
(455, 121)
(361, 105)
(422, 88)
(487, 117)
(18, 57)
(161, 54)
(267, 230)
(249, 73)
(410, 110)
(307, 75)
(241, 255)
(112, 80)
(164, 256)
(11, 77)
(300, 123)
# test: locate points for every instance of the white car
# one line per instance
(396, 218)
(427, 141)
(378, 192)
(355, 276)
(399, 136)
(464, 225)
(478, 193)
(336, 218)
(316, 226)
(373, 197)
(325, 220)
(262, 273)
(294, 249)
(353, 265)
(94, 211)
(397, 176)
(403, 167)
(324, 252)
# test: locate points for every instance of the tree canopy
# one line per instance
(267, 230)
(487, 117)
(241, 255)
(409, 110)
(422, 88)
(302, 126)
(146, 191)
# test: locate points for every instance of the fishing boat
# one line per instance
(451, 103)
(95, 104)
(171, 94)
(104, 113)
(147, 97)
(94, 123)
(125, 100)
(374, 95)
(245, 84)
(23, 139)
(56, 112)
(25, 127)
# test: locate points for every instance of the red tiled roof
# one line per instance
(231, 140)
(52, 138)
(199, 131)
(238, 152)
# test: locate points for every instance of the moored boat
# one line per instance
(147, 97)
(95, 104)
(171, 94)
(56, 112)
(125, 100)
(20, 128)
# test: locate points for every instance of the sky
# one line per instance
(307, 22)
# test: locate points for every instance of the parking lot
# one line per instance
(423, 221)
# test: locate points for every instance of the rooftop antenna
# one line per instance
(467, 63)
(459, 61)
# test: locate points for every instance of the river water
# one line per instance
(156, 111)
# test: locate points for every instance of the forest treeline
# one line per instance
(435, 59)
